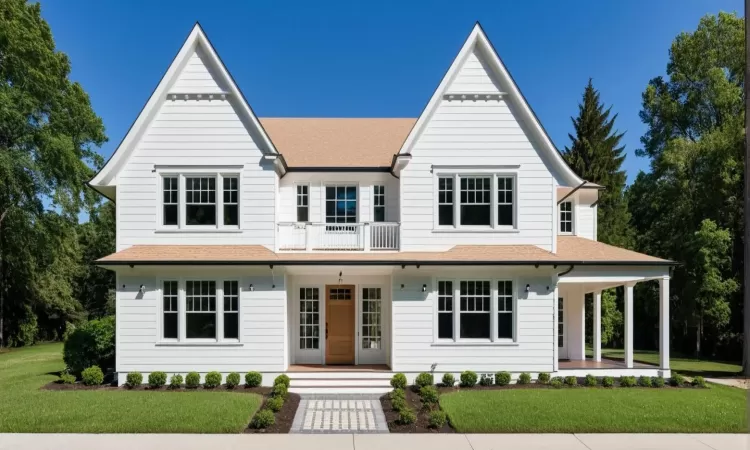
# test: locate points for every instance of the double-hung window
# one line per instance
(170, 299)
(566, 217)
(171, 203)
(475, 300)
(231, 310)
(303, 203)
(445, 310)
(475, 310)
(199, 200)
(446, 214)
(200, 309)
(378, 204)
(505, 309)
(231, 201)
(476, 200)
(505, 201)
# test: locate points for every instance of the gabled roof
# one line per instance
(478, 40)
(104, 180)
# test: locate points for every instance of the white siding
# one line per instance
(196, 77)
(195, 133)
(475, 133)
(585, 221)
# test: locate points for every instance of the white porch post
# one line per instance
(597, 335)
(628, 322)
(664, 323)
(555, 349)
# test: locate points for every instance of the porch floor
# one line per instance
(604, 364)
(338, 368)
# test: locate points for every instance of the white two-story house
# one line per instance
(342, 250)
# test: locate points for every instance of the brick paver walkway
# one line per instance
(339, 413)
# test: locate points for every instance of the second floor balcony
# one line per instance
(305, 236)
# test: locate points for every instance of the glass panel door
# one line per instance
(371, 326)
(308, 336)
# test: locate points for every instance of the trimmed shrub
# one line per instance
(676, 380)
(556, 383)
(253, 379)
(157, 379)
(192, 380)
(398, 403)
(502, 378)
(608, 381)
(92, 376)
(175, 382)
(280, 390)
(571, 381)
(275, 403)
(233, 379)
(424, 379)
(429, 395)
(627, 381)
(282, 379)
(644, 381)
(657, 382)
(437, 419)
(90, 344)
(398, 381)
(134, 379)
(524, 378)
(263, 419)
(699, 381)
(67, 378)
(448, 380)
(406, 416)
(590, 380)
(397, 393)
(543, 378)
(485, 380)
(468, 378)
(212, 380)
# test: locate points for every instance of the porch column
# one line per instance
(664, 323)
(597, 335)
(628, 322)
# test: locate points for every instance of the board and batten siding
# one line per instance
(469, 133)
(262, 327)
(414, 348)
(196, 133)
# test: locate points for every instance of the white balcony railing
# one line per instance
(303, 236)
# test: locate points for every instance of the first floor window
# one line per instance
(445, 201)
(231, 310)
(309, 318)
(200, 309)
(171, 200)
(303, 203)
(231, 201)
(171, 314)
(445, 310)
(566, 217)
(475, 299)
(505, 309)
(475, 200)
(200, 201)
(379, 203)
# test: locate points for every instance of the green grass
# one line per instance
(24, 408)
(719, 409)
(687, 366)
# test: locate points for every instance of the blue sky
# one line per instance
(377, 59)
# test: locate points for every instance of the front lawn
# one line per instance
(598, 410)
(687, 366)
(24, 408)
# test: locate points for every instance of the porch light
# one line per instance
(402, 287)
(424, 288)
(252, 288)
(142, 289)
(528, 288)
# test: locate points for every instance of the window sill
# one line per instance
(476, 230)
(199, 344)
(201, 230)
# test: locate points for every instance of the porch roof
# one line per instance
(570, 250)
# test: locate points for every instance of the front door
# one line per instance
(340, 324)
(562, 339)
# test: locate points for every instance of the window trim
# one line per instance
(457, 340)
(296, 204)
(384, 205)
(572, 218)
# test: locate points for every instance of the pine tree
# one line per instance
(596, 155)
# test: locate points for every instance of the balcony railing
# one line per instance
(301, 236)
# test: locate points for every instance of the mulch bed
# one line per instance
(284, 418)
(78, 386)
(414, 402)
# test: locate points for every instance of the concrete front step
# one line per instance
(340, 375)
(340, 382)
(339, 389)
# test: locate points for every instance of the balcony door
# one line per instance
(341, 231)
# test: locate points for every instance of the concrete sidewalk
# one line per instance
(375, 441)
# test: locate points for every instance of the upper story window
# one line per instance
(341, 204)
(378, 204)
(446, 214)
(171, 200)
(476, 201)
(566, 217)
(200, 200)
(231, 201)
(505, 201)
(303, 203)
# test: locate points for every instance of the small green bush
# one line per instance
(253, 379)
(644, 381)
(406, 416)
(543, 378)
(556, 383)
(67, 378)
(175, 382)
(280, 390)
(485, 380)
(90, 344)
(590, 380)
(502, 378)
(212, 380)
(571, 381)
(233, 379)
(134, 379)
(398, 381)
(275, 403)
(282, 379)
(157, 379)
(437, 419)
(468, 378)
(263, 419)
(398, 403)
(92, 376)
(429, 395)
(626, 381)
(608, 381)
(397, 393)
(699, 381)
(524, 378)
(424, 379)
(676, 380)
(448, 380)
(657, 382)
(192, 380)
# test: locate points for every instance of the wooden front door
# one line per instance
(340, 324)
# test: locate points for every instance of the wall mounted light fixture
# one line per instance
(252, 288)
(402, 287)
(142, 289)
(424, 288)
(528, 288)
